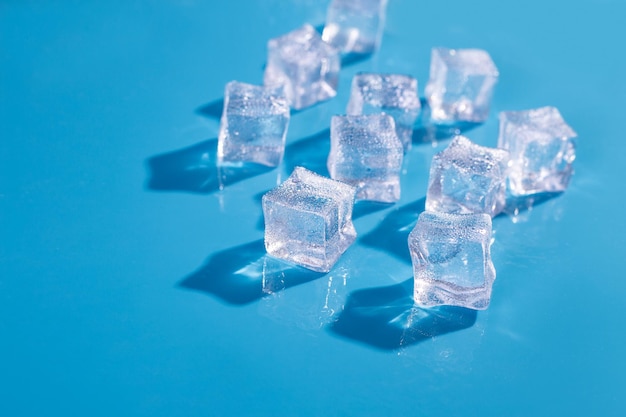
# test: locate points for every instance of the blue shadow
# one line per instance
(310, 153)
(426, 131)
(386, 318)
(245, 273)
(519, 204)
(194, 170)
(363, 208)
(212, 109)
(392, 234)
(353, 58)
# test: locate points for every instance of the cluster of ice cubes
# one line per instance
(469, 184)
(308, 218)
(394, 94)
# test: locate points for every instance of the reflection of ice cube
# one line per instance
(278, 275)
(460, 85)
(393, 94)
(451, 260)
(468, 178)
(355, 25)
(542, 150)
(366, 153)
(305, 65)
(310, 306)
(308, 220)
(253, 126)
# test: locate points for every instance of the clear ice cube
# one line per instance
(394, 94)
(451, 260)
(355, 26)
(305, 65)
(468, 178)
(366, 153)
(308, 220)
(542, 150)
(461, 85)
(253, 126)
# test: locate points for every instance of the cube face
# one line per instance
(305, 65)
(461, 85)
(542, 150)
(393, 94)
(254, 125)
(355, 26)
(452, 260)
(366, 153)
(308, 220)
(467, 178)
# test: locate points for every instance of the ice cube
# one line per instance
(542, 150)
(394, 94)
(355, 25)
(366, 153)
(461, 85)
(253, 125)
(305, 65)
(468, 178)
(451, 260)
(308, 220)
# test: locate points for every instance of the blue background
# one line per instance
(129, 286)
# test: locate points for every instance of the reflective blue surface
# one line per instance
(131, 286)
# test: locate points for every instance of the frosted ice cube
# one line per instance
(393, 94)
(452, 260)
(460, 85)
(253, 125)
(308, 220)
(366, 153)
(468, 178)
(305, 65)
(542, 150)
(355, 25)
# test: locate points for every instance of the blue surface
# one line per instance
(130, 287)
